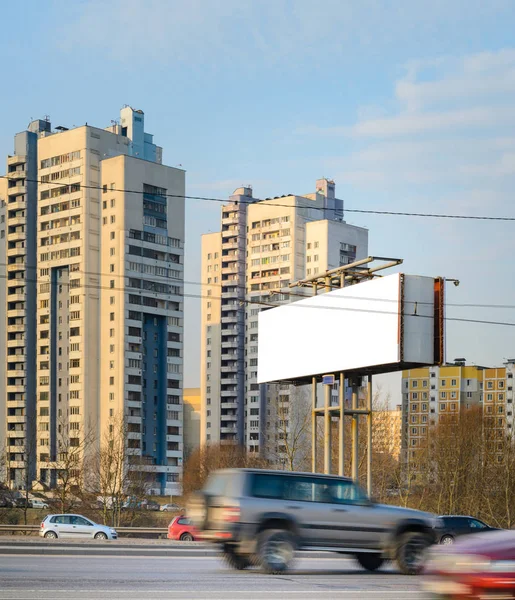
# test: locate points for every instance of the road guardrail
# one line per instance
(155, 531)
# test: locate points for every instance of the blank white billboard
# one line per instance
(382, 324)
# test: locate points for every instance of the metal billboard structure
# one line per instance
(364, 324)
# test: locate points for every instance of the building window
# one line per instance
(442, 406)
(414, 384)
(453, 382)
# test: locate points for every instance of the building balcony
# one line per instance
(16, 159)
(229, 319)
(229, 380)
(16, 419)
(229, 418)
(16, 190)
(17, 404)
(16, 312)
(233, 344)
(19, 297)
(17, 203)
(16, 251)
(19, 220)
(229, 393)
(16, 328)
(233, 268)
(231, 243)
(230, 306)
(12, 267)
(16, 464)
(16, 236)
(229, 405)
(17, 174)
(15, 343)
(16, 373)
(226, 429)
(231, 220)
(17, 434)
(232, 369)
(232, 294)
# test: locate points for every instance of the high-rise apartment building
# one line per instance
(432, 394)
(106, 234)
(18, 273)
(263, 246)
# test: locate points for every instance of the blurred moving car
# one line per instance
(452, 526)
(170, 507)
(264, 517)
(150, 505)
(74, 526)
(180, 528)
(479, 566)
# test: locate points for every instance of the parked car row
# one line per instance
(9, 502)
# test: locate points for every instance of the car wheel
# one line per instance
(370, 562)
(51, 535)
(235, 561)
(276, 550)
(447, 540)
(186, 537)
(100, 536)
(412, 552)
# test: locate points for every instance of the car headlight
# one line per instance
(113, 531)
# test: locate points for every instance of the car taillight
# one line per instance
(42, 525)
(231, 514)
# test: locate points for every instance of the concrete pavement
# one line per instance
(177, 578)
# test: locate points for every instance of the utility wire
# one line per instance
(256, 302)
(272, 293)
(260, 202)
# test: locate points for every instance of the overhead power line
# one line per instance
(272, 293)
(260, 202)
(255, 302)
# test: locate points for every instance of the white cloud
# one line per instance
(452, 127)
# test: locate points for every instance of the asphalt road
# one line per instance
(30, 577)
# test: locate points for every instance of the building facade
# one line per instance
(191, 402)
(263, 246)
(18, 256)
(432, 394)
(107, 295)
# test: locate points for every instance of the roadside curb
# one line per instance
(104, 551)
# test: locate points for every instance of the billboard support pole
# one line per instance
(313, 424)
(354, 431)
(327, 429)
(341, 426)
(369, 436)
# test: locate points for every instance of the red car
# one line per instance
(478, 566)
(180, 528)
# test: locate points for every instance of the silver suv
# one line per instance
(263, 517)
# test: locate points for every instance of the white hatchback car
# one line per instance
(75, 526)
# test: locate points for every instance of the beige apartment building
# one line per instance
(109, 312)
(263, 246)
(434, 393)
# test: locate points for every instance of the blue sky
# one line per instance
(407, 105)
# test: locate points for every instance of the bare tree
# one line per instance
(211, 457)
(73, 449)
(289, 431)
(115, 473)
